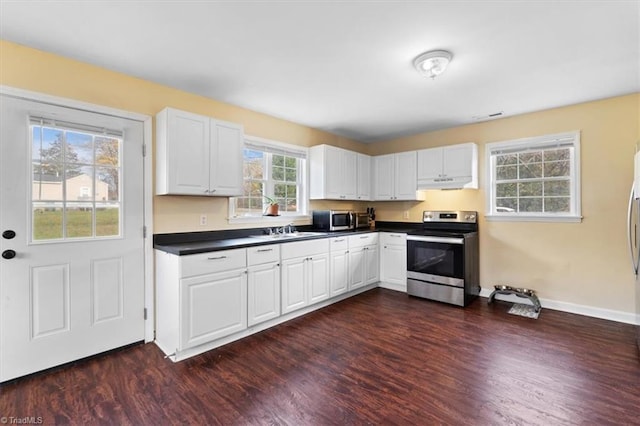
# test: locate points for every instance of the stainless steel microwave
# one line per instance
(333, 220)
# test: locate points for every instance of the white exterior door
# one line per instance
(72, 276)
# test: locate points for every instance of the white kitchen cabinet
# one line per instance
(197, 155)
(305, 273)
(333, 173)
(454, 166)
(363, 191)
(263, 283)
(338, 265)
(200, 298)
(363, 260)
(393, 261)
(395, 177)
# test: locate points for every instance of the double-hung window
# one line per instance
(534, 178)
(272, 172)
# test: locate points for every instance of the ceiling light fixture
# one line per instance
(433, 63)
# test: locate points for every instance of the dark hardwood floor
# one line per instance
(378, 358)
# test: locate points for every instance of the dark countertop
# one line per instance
(208, 241)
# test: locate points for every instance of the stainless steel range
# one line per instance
(442, 258)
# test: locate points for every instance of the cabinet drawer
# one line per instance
(393, 238)
(339, 243)
(362, 240)
(263, 254)
(211, 262)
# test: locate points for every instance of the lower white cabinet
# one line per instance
(263, 292)
(305, 273)
(213, 306)
(200, 298)
(393, 260)
(363, 260)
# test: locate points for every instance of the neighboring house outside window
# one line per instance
(534, 178)
(271, 170)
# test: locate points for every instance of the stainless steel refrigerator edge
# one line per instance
(633, 229)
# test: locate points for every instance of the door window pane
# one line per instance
(78, 220)
(107, 220)
(47, 221)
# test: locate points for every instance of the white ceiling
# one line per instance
(346, 66)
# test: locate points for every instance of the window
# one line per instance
(271, 171)
(75, 189)
(534, 178)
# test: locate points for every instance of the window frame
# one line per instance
(569, 139)
(269, 184)
(94, 132)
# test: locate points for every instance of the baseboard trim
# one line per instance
(573, 308)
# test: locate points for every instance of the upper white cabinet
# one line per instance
(338, 174)
(454, 166)
(197, 155)
(395, 176)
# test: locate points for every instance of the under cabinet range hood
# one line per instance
(445, 182)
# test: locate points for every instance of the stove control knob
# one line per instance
(470, 217)
(428, 216)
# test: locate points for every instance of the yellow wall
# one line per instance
(583, 263)
(39, 71)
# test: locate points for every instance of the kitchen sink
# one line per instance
(288, 236)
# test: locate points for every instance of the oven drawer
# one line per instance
(438, 292)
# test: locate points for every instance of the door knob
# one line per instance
(8, 254)
(8, 234)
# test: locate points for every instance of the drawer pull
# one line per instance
(263, 250)
(338, 241)
(366, 236)
(217, 258)
(395, 236)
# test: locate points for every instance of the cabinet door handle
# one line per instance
(263, 250)
(206, 191)
(212, 191)
(217, 258)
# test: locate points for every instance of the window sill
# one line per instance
(271, 220)
(531, 218)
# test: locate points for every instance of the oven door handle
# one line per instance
(435, 239)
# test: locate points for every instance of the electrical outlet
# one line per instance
(203, 219)
(406, 214)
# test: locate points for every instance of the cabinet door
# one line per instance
(339, 267)
(263, 293)
(372, 265)
(356, 268)
(457, 161)
(429, 164)
(363, 191)
(227, 142)
(333, 173)
(318, 277)
(406, 182)
(294, 284)
(384, 181)
(212, 306)
(394, 264)
(349, 175)
(187, 151)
